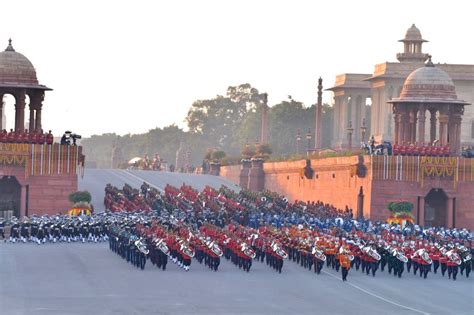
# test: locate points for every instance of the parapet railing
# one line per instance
(43, 159)
(420, 168)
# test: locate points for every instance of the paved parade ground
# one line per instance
(89, 279)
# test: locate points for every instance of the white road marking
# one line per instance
(378, 296)
(142, 179)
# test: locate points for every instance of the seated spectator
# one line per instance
(3, 136)
(11, 137)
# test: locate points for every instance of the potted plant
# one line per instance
(81, 203)
(401, 213)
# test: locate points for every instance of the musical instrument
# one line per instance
(278, 250)
(423, 254)
(372, 253)
(141, 247)
(214, 247)
(454, 257)
(186, 249)
(318, 253)
(399, 255)
(161, 245)
(248, 251)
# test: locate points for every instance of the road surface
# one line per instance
(90, 279)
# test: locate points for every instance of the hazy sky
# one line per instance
(130, 66)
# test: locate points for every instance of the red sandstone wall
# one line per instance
(333, 182)
(231, 172)
(385, 191)
(49, 194)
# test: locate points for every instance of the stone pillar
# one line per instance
(244, 174)
(319, 113)
(421, 212)
(256, 176)
(396, 128)
(1, 112)
(403, 126)
(443, 128)
(421, 124)
(264, 130)
(458, 138)
(22, 201)
(360, 204)
(433, 122)
(32, 118)
(38, 125)
(20, 111)
(449, 213)
(37, 102)
(412, 126)
(335, 133)
(452, 136)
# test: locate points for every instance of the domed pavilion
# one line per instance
(18, 78)
(428, 89)
(36, 174)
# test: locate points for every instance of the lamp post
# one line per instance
(309, 136)
(363, 130)
(298, 140)
(350, 130)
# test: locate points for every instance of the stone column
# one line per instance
(403, 126)
(20, 111)
(335, 134)
(22, 200)
(412, 132)
(38, 125)
(458, 137)
(421, 124)
(37, 101)
(449, 213)
(396, 125)
(256, 176)
(32, 118)
(1, 112)
(433, 122)
(452, 136)
(421, 212)
(443, 128)
(244, 174)
(264, 126)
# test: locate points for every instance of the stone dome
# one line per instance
(428, 84)
(413, 34)
(15, 69)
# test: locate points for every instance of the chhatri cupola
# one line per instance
(412, 51)
(431, 90)
(18, 78)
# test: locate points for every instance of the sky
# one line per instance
(131, 66)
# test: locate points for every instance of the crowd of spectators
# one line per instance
(25, 136)
(421, 150)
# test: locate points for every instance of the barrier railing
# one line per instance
(43, 159)
(420, 168)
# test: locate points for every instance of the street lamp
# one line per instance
(298, 140)
(309, 136)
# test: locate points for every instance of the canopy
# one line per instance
(135, 160)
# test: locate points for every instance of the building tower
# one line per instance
(412, 47)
